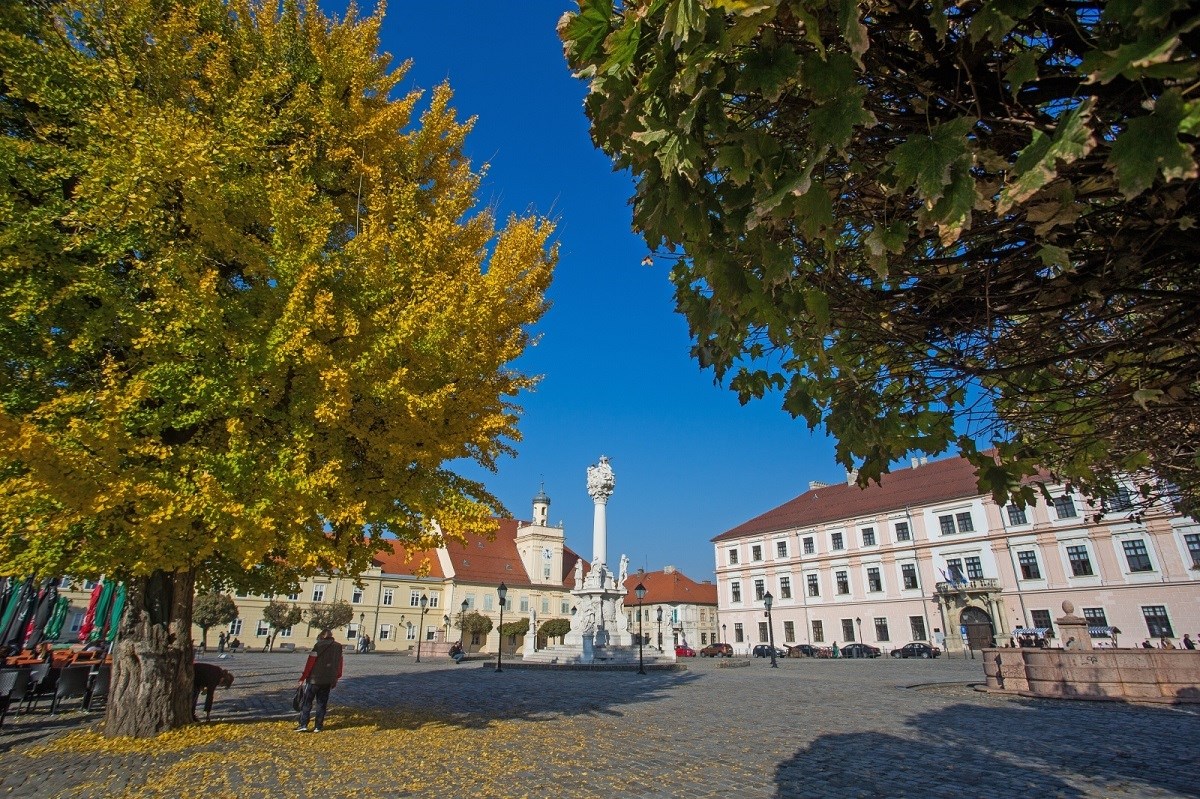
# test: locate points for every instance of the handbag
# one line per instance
(298, 697)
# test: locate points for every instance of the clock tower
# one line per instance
(540, 545)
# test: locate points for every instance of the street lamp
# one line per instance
(362, 620)
(502, 592)
(660, 628)
(768, 600)
(446, 624)
(723, 636)
(462, 620)
(641, 594)
(421, 629)
(858, 621)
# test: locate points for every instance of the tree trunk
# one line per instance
(151, 689)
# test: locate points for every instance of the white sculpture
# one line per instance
(601, 480)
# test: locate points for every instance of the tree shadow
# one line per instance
(1021, 748)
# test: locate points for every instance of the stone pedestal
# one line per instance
(1074, 630)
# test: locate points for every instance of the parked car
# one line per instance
(764, 651)
(860, 651)
(684, 651)
(717, 650)
(803, 651)
(917, 649)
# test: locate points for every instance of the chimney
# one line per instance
(851, 477)
(916, 462)
(924, 460)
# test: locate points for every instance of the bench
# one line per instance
(286, 647)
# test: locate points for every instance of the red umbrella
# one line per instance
(89, 617)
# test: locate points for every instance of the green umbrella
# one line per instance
(114, 618)
(10, 606)
(106, 594)
(57, 618)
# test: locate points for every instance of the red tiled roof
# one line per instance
(397, 560)
(497, 561)
(670, 587)
(939, 481)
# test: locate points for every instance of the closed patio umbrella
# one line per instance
(47, 599)
(89, 616)
(102, 608)
(9, 606)
(14, 632)
(114, 616)
(59, 617)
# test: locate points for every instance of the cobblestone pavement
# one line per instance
(810, 728)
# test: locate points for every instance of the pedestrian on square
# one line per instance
(1165, 643)
(221, 639)
(1188, 643)
(207, 677)
(1147, 645)
(321, 673)
(837, 653)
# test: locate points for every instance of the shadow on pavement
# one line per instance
(1025, 748)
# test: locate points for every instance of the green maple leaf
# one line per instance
(924, 161)
(1150, 145)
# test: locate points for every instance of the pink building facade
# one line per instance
(925, 557)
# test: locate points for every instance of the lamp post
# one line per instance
(660, 628)
(723, 636)
(362, 621)
(768, 600)
(641, 594)
(502, 592)
(858, 621)
(446, 624)
(462, 620)
(421, 629)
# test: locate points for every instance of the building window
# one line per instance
(781, 549)
(843, 583)
(545, 606)
(1193, 545)
(470, 598)
(235, 628)
(356, 597)
(703, 639)
(487, 601)
(414, 598)
(434, 598)
(294, 596)
(814, 589)
(88, 585)
(809, 547)
(410, 632)
(524, 603)
(974, 568)
(789, 631)
(762, 632)
(818, 632)
(760, 590)
(1029, 565)
(738, 634)
(881, 629)
(385, 632)
(733, 557)
(389, 596)
(916, 625)
(848, 629)
(1081, 564)
(1041, 618)
(874, 583)
(868, 535)
(965, 525)
(1064, 507)
(735, 591)
(1157, 623)
(318, 594)
(545, 572)
(756, 552)
(566, 607)
(1137, 556)
(1016, 515)
(836, 539)
(1119, 501)
(947, 524)
(785, 587)
(262, 629)
(909, 572)
(902, 533)
(475, 639)
(954, 566)
(1095, 617)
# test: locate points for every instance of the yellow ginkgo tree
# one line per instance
(249, 310)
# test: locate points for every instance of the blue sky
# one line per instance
(690, 461)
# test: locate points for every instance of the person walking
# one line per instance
(221, 642)
(321, 673)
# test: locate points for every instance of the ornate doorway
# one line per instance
(979, 629)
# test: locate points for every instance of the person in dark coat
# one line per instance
(321, 673)
(208, 678)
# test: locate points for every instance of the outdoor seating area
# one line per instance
(23, 687)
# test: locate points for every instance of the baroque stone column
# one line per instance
(600, 484)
